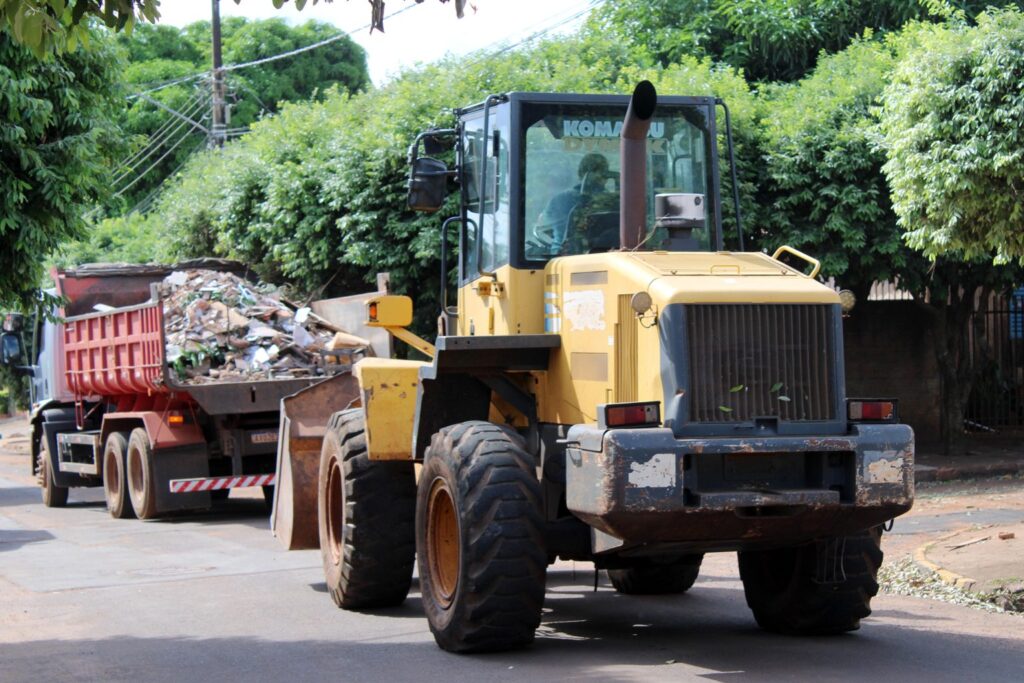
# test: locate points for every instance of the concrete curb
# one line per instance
(927, 473)
(947, 576)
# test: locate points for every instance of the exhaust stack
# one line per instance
(633, 165)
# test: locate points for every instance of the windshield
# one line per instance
(571, 163)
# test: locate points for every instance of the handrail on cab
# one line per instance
(785, 248)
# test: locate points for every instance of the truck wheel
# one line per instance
(480, 539)
(785, 590)
(115, 484)
(366, 514)
(53, 496)
(657, 576)
(141, 486)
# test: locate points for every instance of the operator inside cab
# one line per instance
(583, 218)
(571, 165)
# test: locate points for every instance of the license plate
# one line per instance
(263, 437)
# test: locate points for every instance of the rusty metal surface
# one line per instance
(646, 486)
(304, 417)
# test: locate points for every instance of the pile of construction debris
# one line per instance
(222, 328)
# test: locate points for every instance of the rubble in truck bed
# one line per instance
(222, 328)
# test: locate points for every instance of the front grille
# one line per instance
(750, 361)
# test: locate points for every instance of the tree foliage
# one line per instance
(53, 25)
(952, 124)
(57, 138)
(770, 40)
(159, 55)
(824, 191)
(316, 194)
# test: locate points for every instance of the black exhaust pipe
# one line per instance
(633, 165)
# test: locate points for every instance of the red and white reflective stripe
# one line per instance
(218, 483)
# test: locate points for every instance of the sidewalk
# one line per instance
(982, 456)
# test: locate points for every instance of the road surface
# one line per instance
(84, 597)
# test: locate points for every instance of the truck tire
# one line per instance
(480, 539)
(366, 515)
(657, 576)
(53, 496)
(786, 594)
(141, 484)
(115, 482)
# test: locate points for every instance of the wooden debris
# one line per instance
(222, 328)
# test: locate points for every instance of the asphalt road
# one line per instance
(84, 597)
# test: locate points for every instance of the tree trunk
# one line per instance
(954, 357)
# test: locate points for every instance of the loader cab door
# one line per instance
(486, 239)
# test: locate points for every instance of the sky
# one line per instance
(421, 33)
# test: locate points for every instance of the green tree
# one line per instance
(825, 192)
(48, 25)
(57, 137)
(316, 194)
(160, 55)
(770, 40)
(952, 126)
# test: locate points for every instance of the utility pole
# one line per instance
(218, 127)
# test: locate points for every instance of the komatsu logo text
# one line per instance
(588, 128)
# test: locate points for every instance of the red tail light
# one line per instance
(859, 410)
(630, 414)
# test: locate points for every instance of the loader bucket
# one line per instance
(304, 417)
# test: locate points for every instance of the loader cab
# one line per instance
(538, 178)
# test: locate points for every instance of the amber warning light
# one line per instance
(861, 410)
(175, 418)
(629, 415)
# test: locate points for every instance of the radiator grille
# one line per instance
(761, 360)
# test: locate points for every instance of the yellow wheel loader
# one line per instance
(611, 386)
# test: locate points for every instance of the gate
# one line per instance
(997, 398)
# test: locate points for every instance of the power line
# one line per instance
(157, 142)
(147, 202)
(548, 28)
(313, 46)
(168, 122)
(264, 60)
(140, 176)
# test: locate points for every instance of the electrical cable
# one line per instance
(146, 203)
(156, 144)
(159, 131)
(265, 60)
(313, 46)
(140, 176)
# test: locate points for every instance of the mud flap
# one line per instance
(180, 463)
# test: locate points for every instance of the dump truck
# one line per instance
(108, 409)
(610, 385)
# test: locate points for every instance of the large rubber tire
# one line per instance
(784, 589)
(115, 480)
(141, 474)
(366, 514)
(53, 496)
(480, 539)
(657, 576)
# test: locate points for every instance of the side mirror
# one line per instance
(12, 349)
(428, 179)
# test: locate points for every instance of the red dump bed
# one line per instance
(119, 353)
(115, 353)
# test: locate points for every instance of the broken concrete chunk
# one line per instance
(221, 328)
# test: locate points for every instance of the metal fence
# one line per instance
(997, 350)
